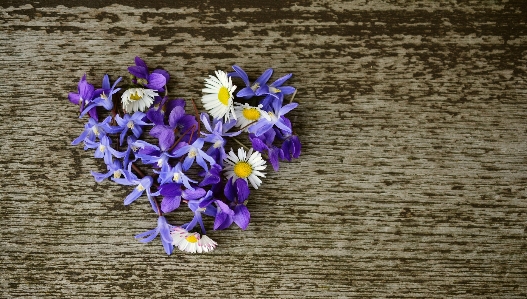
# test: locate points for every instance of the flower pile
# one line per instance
(185, 162)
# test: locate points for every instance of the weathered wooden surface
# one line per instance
(412, 181)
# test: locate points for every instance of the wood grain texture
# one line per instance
(412, 181)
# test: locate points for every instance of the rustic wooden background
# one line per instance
(412, 181)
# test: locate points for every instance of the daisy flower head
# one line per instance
(246, 165)
(138, 99)
(246, 115)
(218, 97)
(191, 242)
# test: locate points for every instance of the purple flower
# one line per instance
(237, 193)
(151, 154)
(249, 91)
(115, 169)
(265, 143)
(93, 129)
(177, 121)
(103, 95)
(84, 96)
(133, 122)
(155, 80)
(174, 174)
(194, 152)
(275, 116)
(197, 207)
(276, 88)
(172, 194)
(217, 150)
(103, 149)
(156, 113)
(162, 229)
(143, 184)
(212, 176)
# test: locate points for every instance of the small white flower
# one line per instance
(138, 99)
(246, 166)
(218, 98)
(191, 242)
(246, 115)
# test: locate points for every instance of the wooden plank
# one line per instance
(411, 182)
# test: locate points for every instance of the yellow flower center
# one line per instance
(176, 177)
(191, 239)
(243, 169)
(102, 148)
(117, 174)
(140, 187)
(130, 124)
(135, 96)
(192, 153)
(224, 95)
(251, 113)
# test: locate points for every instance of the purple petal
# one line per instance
(222, 221)
(229, 191)
(156, 81)
(162, 72)
(74, 98)
(170, 190)
(169, 204)
(138, 71)
(242, 189)
(281, 80)
(140, 62)
(287, 108)
(242, 217)
(242, 74)
(245, 92)
(175, 115)
(190, 194)
(132, 196)
(264, 77)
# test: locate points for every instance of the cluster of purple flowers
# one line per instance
(180, 141)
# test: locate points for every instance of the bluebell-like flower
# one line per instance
(103, 96)
(194, 152)
(115, 168)
(84, 96)
(103, 149)
(275, 116)
(151, 154)
(156, 113)
(142, 185)
(174, 174)
(217, 130)
(134, 123)
(250, 89)
(155, 80)
(93, 129)
(194, 205)
(276, 88)
(163, 229)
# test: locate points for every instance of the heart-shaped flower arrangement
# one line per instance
(219, 187)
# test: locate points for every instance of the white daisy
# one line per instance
(191, 242)
(135, 99)
(218, 98)
(246, 115)
(246, 166)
